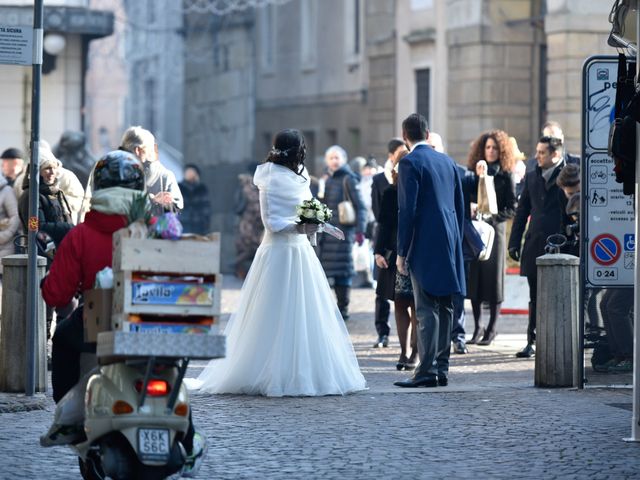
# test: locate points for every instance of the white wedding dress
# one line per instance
(287, 336)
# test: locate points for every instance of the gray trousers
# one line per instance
(435, 317)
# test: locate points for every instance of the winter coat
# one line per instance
(9, 219)
(250, 226)
(54, 215)
(196, 214)
(85, 251)
(158, 179)
(486, 279)
(545, 203)
(431, 220)
(336, 255)
(386, 243)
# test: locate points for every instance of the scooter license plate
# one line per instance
(153, 444)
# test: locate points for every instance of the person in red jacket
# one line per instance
(118, 178)
(85, 250)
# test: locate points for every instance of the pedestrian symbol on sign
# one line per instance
(598, 197)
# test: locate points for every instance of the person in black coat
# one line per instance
(486, 279)
(391, 284)
(545, 203)
(336, 255)
(196, 214)
(54, 214)
(553, 129)
(380, 183)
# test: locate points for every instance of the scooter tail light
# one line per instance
(121, 407)
(182, 409)
(155, 387)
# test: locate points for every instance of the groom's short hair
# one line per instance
(415, 127)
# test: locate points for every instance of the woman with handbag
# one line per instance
(496, 200)
(392, 285)
(343, 197)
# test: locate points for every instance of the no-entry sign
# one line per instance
(605, 249)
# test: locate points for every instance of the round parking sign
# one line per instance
(605, 249)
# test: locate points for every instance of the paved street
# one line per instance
(490, 422)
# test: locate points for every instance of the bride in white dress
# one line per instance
(287, 336)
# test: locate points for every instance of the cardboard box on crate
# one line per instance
(166, 294)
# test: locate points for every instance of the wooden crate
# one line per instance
(174, 256)
(123, 300)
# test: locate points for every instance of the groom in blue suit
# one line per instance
(430, 226)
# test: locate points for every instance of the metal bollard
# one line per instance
(557, 348)
(13, 328)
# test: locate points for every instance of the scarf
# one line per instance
(51, 190)
(152, 173)
(114, 200)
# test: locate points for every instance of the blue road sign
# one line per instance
(630, 242)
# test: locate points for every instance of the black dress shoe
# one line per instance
(411, 383)
(443, 381)
(526, 352)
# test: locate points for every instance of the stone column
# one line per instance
(13, 331)
(574, 31)
(557, 333)
(491, 52)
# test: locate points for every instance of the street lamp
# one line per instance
(53, 45)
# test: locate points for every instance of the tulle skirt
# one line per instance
(287, 336)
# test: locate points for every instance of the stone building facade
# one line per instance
(155, 55)
(349, 71)
(74, 25)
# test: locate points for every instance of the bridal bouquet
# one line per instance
(314, 211)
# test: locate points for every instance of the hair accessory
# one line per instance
(276, 151)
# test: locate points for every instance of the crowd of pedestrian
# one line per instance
(498, 185)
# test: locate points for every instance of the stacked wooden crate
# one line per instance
(166, 298)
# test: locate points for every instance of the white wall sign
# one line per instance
(608, 219)
(16, 45)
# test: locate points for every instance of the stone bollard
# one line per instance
(557, 347)
(13, 327)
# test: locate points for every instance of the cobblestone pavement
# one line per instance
(490, 422)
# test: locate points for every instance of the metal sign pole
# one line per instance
(34, 187)
(635, 420)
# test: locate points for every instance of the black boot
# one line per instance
(343, 294)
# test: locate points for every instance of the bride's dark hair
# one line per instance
(289, 150)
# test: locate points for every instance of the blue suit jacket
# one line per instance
(430, 220)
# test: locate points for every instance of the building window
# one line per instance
(423, 92)
(150, 103)
(151, 11)
(332, 137)
(267, 138)
(355, 141)
(313, 164)
(308, 33)
(267, 20)
(221, 57)
(353, 26)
